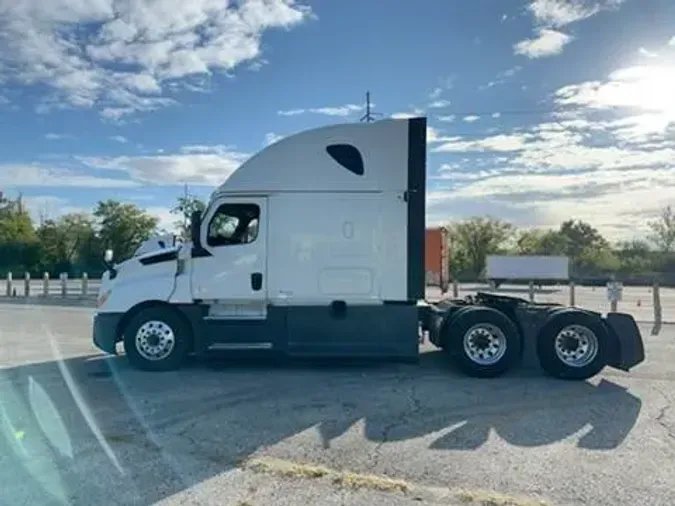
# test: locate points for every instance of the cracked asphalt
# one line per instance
(80, 428)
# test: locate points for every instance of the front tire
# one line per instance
(573, 345)
(157, 339)
(483, 342)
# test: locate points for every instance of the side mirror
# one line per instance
(108, 256)
(195, 227)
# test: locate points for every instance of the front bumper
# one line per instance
(105, 332)
(630, 349)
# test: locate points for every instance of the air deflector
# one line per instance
(347, 156)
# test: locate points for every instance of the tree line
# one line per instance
(75, 242)
(592, 256)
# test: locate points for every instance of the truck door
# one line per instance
(230, 274)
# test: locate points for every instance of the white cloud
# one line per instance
(547, 43)
(433, 135)
(291, 112)
(49, 207)
(51, 136)
(607, 156)
(550, 15)
(340, 110)
(198, 165)
(499, 143)
(647, 53)
(447, 119)
(502, 77)
(496, 115)
(21, 176)
(436, 93)
(563, 12)
(403, 115)
(167, 220)
(605, 199)
(130, 50)
(119, 138)
(439, 104)
(671, 42)
(271, 138)
(470, 118)
(645, 87)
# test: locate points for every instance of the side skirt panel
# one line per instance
(389, 330)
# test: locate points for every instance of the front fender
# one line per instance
(151, 282)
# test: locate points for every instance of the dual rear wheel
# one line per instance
(484, 342)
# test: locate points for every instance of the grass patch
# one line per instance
(381, 483)
(480, 498)
(288, 469)
(285, 468)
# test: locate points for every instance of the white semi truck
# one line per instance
(315, 247)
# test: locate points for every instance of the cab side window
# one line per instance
(233, 224)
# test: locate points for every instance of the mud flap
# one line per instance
(630, 348)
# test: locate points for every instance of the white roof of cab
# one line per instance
(301, 162)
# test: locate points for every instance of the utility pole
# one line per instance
(185, 200)
(369, 116)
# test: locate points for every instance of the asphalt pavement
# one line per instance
(81, 428)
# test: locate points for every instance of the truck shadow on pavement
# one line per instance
(91, 430)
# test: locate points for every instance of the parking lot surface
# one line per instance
(82, 428)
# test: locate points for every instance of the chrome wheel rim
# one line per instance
(576, 345)
(155, 340)
(484, 344)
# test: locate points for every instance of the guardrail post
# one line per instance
(572, 297)
(455, 289)
(658, 315)
(85, 284)
(613, 306)
(9, 284)
(45, 284)
(531, 290)
(64, 284)
(26, 285)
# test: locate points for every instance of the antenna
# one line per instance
(369, 116)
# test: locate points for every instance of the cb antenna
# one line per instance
(369, 116)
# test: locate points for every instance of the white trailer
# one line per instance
(315, 247)
(541, 269)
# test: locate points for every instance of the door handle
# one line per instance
(256, 281)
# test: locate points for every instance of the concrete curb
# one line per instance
(76, 301)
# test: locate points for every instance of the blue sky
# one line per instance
(539, 110)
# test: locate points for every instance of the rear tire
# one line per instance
(483, 342)
(157, 339)
(573, 345)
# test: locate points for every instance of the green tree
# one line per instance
(16, 225)
(123, 227)
(579, 236)
(185, 207)
(541, 242)
(19, 250)
(663, 230)
(474, 239)
(635, 256)
(67, 243)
